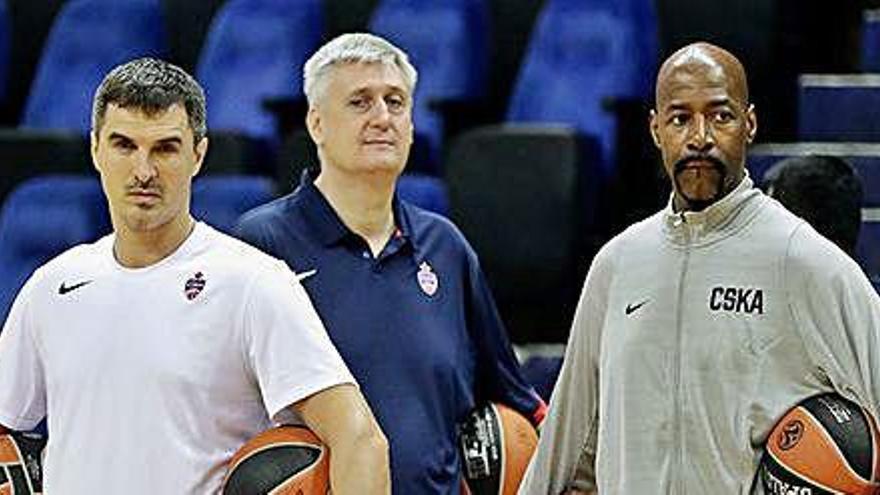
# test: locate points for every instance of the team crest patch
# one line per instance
(427, 279)
(194, 286)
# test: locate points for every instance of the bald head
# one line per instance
(705, 62)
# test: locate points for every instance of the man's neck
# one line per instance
(135, 249)
(363, 203)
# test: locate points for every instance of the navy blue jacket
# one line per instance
(416, 325)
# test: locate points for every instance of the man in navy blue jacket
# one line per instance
(399, 289)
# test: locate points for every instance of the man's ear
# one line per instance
(93, 148)
(201, 151)
(751, 123)
(653, 127)
(313, 125)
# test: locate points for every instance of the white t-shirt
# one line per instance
(153, 377)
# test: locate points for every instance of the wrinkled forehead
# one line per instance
(356, 76)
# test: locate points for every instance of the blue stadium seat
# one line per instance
(5, 49)
(87, 39)
(446, 40)
(424, 191)
(839, 107)
(220, 199)
(255, 50)
(871, 41)
(582, 55)
(868, 248)
(41, 218)
(864, 157)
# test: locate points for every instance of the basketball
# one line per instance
(824, 445)
(496, 444)
(21, 460)
(287, 460)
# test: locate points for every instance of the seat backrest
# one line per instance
(5, 50)
(871, 41)
(424, 191)
(839, 107)
(518, 194)
(43, 217)
(446, 40)
(87, 39)
(255, 50)
(864, 157)
(581, 54)
(868, 247)
(220, 199)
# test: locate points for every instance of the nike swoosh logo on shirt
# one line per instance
(631, 308)
(64, 289)
(304, 275)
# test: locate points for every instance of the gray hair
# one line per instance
(354, 48)
(152, 86)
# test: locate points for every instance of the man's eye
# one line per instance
(358, 103)
(123, 145)
(678, 120)
(167, 148)
(724, 117)
(395, 103)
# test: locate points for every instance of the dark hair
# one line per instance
(823, 190)
(152, 86)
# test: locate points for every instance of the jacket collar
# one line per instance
(715, 222)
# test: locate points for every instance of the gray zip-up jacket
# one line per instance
(694, 334)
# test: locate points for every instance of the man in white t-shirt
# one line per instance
(158, 350)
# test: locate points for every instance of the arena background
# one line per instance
(541, 201)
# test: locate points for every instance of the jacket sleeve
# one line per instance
(499, 376)
(837, 312)
(567, 448)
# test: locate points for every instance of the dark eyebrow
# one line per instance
(118, 136)
(171, 140)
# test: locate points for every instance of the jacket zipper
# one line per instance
(677, 371)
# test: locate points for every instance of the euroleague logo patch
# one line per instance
(194, 286)
(427, 279)
(790, 435)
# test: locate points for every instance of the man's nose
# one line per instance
(380, 114)
(144, 169)
(701, 138)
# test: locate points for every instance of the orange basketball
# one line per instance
(287, 460)
(497, 444)
(21, 471)
(824, 445)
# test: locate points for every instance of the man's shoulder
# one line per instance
(237, 257)
(647, 229)
(269, 214)
(428, 223)
(71, 267)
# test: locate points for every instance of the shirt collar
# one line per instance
(327, 225)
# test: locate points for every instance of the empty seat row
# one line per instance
(254, 51)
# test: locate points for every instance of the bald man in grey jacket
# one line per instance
(699, 327)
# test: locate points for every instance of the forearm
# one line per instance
(359, 460)
(360, 465)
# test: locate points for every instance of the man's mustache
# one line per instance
(717, 164)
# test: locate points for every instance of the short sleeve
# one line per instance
(286, 344)
(22, 382)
